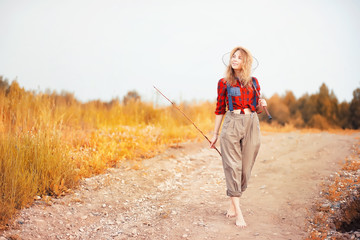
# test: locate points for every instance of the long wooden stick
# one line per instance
(186, 118)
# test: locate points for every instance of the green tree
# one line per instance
(344, 115)
(131, 96)
(327, 105)
(354, 109)
(4, 83)
(307, 107)
(279, 110)
(290, 101)
(318, 121)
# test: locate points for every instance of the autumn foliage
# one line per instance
(338, 211)
(48, 141)
(321, 110)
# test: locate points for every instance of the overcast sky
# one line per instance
(103, 49)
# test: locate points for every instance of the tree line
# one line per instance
(321, 110)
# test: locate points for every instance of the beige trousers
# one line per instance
(240, 143)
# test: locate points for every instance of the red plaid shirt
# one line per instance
(245, 100)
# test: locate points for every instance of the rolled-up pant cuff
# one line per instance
(233, 193)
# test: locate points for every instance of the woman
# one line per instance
(240, 135)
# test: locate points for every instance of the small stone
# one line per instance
(84, 217)
(332, 226)
(325, 206)
(119, 219)
(16, 237)
(104, 205)
(263, 187)
(346, 236)
(336, 205)
(185, 236)
(256, 234)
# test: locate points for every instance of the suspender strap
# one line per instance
(231, 108)
(255, 95)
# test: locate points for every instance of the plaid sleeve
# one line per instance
(221, 98)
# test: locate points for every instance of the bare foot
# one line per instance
(235, 204)
(231, 211)
(240, 222)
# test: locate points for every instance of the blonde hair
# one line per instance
(245, 71)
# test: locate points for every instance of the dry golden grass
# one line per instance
(278, 128)
(30, 165)
(275, 127)
(49, 141)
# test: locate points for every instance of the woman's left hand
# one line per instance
(262, 102)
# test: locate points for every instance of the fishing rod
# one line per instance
(267, 112)
(186, 118)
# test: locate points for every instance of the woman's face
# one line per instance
(236, 60)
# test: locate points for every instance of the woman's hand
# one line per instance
(218, 120)
(262, 102)
(213, 140)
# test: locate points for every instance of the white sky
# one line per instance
(103, 49)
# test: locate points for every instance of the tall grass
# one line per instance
(31, 165)
(50, 141)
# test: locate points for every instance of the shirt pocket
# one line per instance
(235, 91)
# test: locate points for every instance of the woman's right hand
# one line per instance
(213, 141)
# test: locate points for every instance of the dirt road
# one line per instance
(180, 194)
